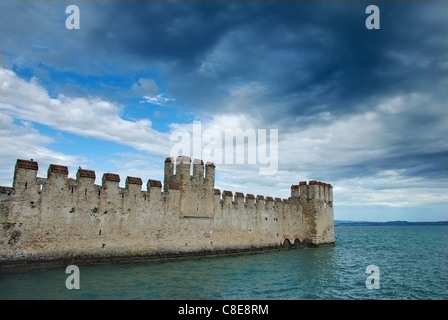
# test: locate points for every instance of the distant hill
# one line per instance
(389, 223)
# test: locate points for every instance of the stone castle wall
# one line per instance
(59, 218)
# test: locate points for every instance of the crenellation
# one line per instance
(295, 191)
(227, 195)
(303, 190)
(27, 164)
(198, 170)
(250, 198)
(76, 215)
(154, 183)
(57, 169)
(210, 175)
(110, 187)
(56, 185)
(260, 201)
(168, 173)
(319, 195)
(239, 198)
(133, 181)
(24, 181)
(154, 188)
(85, 176)
(83, 173)
(110, 177)
(269, 203)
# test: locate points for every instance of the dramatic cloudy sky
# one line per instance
(364, 110)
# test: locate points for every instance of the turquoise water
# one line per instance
(411, 260)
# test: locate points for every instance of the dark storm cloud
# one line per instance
(284, 61)
(172, 32)
(309, 56)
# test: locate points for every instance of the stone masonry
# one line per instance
(63, 219)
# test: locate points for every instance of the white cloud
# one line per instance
(145, 87)
(22, 141)
(89, 117)
(158, 99)
(388, 188)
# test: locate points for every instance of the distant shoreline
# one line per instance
(389, 223)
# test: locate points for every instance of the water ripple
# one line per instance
(412, 261)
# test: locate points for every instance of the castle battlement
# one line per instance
(58, 215)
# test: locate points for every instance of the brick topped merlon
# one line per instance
(260, 197)
(295, 187)
(134, 180)
(312, 183)
(83, 173)
(154, 183)
(227, 193)
(270, 199)
(278, 200)
(27, 164)
(111, 177)
(319, 183)
(183, 159)
(174, 186)
(210, 164)
(55, 168)
(216, 192)
(239, 195)
(250, 196)
(169, 160)
(198, 161)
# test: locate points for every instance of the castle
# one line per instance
(64, 219)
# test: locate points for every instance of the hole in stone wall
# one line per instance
(286, 243)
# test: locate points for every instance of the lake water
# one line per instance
(409, 263)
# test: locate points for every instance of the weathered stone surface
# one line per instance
(57, 218)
